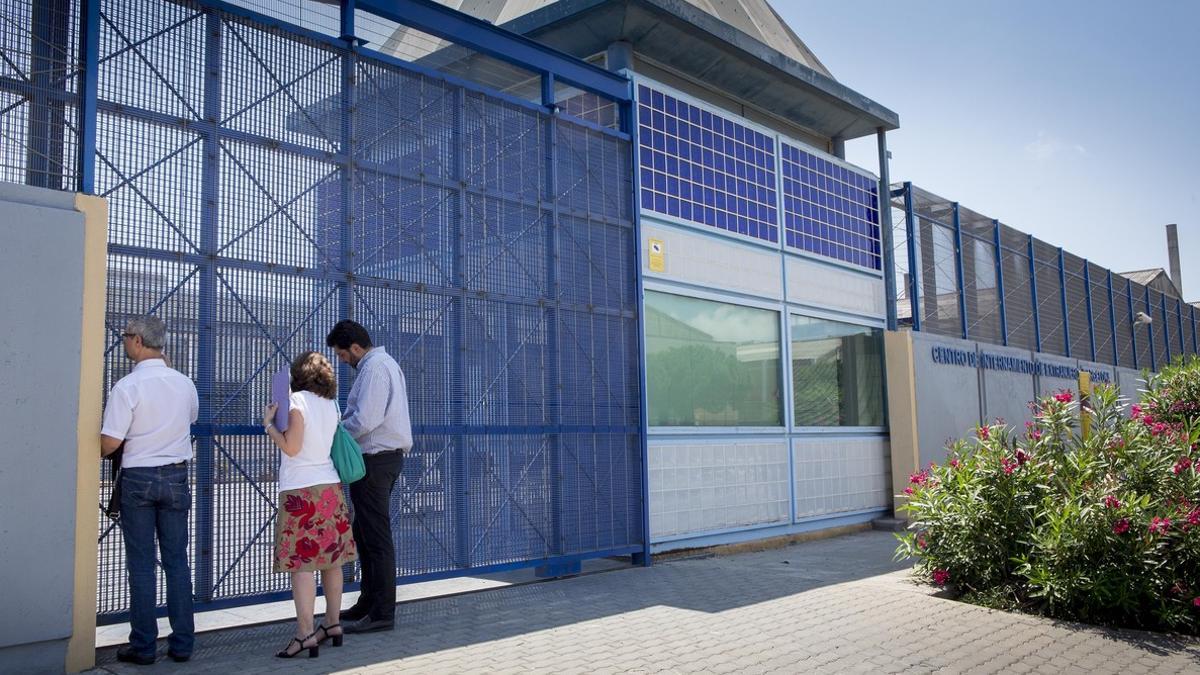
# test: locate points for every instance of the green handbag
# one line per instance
(346, 454)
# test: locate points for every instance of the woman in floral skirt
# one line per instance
(312, 527)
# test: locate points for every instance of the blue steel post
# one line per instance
(89, 56)
(958, 270)
(1000, 282)
(1179, 322)
(1062, 296)
(1087, 289)
(345, 228)
(629, 125)
(1132, 325)
(206, 368)
(1112, 318)
(1037, 321)
(1195, 340)
(554, 370)
(460, 490)
(349, 207)
(1166, 331)
(910, 230)
(1150, 332)
(49, 70)
(885, 229)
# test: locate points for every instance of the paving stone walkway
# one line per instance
(833, 606)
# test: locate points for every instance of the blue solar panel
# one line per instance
(829, 209)
(702, 167)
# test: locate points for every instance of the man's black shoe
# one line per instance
(178, 658)
(127, 655)
(352, 614)
(368, 625)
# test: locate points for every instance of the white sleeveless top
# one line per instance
(313, 465)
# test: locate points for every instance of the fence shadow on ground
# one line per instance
(711, 584)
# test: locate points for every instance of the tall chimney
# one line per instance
(1173, 256)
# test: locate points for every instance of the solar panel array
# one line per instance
(829, 209)
(706, 168)
(700, 166)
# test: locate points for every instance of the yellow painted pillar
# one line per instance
(81, 648)
(902, 410)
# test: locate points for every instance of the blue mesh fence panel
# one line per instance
(39, 67)
(1049, 289)
(1124, 317)
(1101, 320)
(1018, 288)
(257, 194)
(1077, 315)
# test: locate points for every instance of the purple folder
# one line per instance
(280, 393)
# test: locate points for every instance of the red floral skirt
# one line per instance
(312, 530)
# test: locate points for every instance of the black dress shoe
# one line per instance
(178, 658)
(352, 614)
(368, 625)
(127, 655)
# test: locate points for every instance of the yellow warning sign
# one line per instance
(658, 256)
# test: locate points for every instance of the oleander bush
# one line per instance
(1102, 529)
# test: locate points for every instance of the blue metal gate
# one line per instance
(264, 181)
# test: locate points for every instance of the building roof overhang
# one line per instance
(696, 44)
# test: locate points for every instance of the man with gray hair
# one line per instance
(150, 412)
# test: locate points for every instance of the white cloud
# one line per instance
(1047, 147)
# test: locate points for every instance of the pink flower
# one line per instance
(1158, 429)
(941, 576)
(1064, 396)
(983, 433)
(1159, 525)
(921, 542)
(918, 478)
(1022, 456)
(1112, 502)
(953, 463)
(1147, 419)
(1008, 466)
(908, 490)
(1121, 526)
(1135, 410)
(1182, 465)
(1193, 520)
(1196, 601)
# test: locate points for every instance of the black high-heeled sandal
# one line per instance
(325, 634)
(313, 651)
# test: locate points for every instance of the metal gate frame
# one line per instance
(559, 440)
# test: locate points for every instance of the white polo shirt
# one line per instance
(152, 409)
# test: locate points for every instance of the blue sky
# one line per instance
(1078, 122)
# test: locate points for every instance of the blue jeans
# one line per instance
(155, 501)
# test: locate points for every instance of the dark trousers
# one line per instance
(372, 528)
(154, 504)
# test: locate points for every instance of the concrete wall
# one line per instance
(52, 290)
(939, 388)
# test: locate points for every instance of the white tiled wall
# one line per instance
(702, 486)
(812, 283)
(714, 262)
(839, 474)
